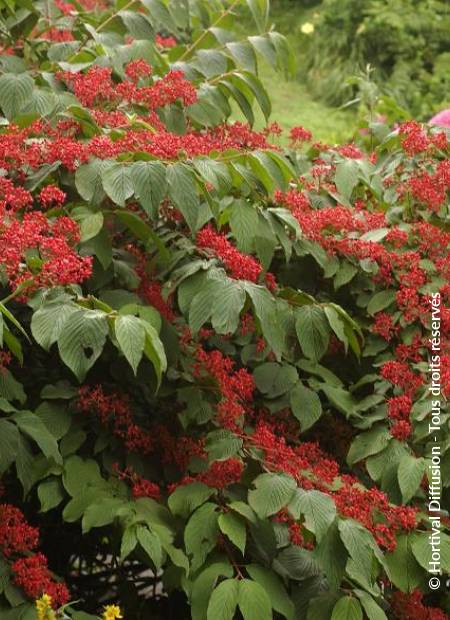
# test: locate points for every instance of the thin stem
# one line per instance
(196, 43)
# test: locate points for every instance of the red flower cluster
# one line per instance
(235, 386)
(35, 579)
(410, 606)
(55, 263)
(114, 411)
(31, 573)
(313, 470)
(16, 536)
(51, 196)
(240, 266)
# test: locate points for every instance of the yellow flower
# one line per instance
(111, 612)
(44, 608)
(307, 28)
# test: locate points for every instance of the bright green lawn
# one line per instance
(292, 104)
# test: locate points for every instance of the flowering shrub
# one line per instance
(216, 353)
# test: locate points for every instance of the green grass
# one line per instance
(292, 104)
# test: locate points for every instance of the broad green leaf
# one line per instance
(402, 567)
(372, 609)
(200, 533)
(332, 556)
(254, 601)
(347, 608)
(82, 339)
(185, 499)
(227, 306)
(410, 473)
(275, 589)
(48, 321)
(50, 493)
(101, 513)
(117, 183)
(243, 224)
(222, 444)
(368, 443)
(154, 350)
(204, 585)
(234, 528)
(183, 193)
(150, 185)
(305, 405)
(151, 544)
(30, 424)
(9, 437)
(88, 180)
(223, 601)
(90, 226)
(272, 493)
(274, 379)
(346, 178)
(380, 301)
(260, 13)
(130, 334)
(318, 509)
(15, 91)
(128, 543)
(313, 331)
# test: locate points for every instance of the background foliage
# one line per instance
(215, 350)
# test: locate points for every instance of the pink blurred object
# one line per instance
(441, 118)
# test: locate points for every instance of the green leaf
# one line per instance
(347, 608)
(222, 444)
(368, 443)
(151, 544)
(274, 379)
(154, 350)
(50, 493)
(128, 543)
(101, 513)
(313, 331)
(373, 611)
(33, 426)
(150, 184)
(346, 178)
(226, 307)
(9, 438)
(80, 475)
(305, 405)
(200, 534)
(272, 493)
(137, 25)
(223, 601)
(253, 601)
(410, 473)
(318, 509)
(340, 398)
(234, 527)
(204, 585)
(402, 567)
(130, 334)
(380, 301)
(117, 183)
(332, 556)
(243, 224)
(185, 499)
(271, 583)
(15, 90)
(90, 226)
(422, 551)
(183, 193)
(81, 342)
(260, 12)
(88, 180)
(48, 321)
